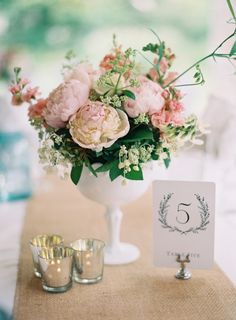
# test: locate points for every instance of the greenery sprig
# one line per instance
(213, 55)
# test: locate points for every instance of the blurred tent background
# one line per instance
(36, 34)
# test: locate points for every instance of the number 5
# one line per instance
(185, 212)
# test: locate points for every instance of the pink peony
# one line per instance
(64, 101)
(36, 110)
(148, 98)
(83, 72)
(96, 126)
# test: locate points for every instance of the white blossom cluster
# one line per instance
(51, 158)
(142, 118)
(115, 101)
(134, 157)
(175, 138)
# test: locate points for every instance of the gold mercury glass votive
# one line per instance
(56, 265)
(43, 241)
(88, 260)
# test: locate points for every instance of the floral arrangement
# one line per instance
(115, 116)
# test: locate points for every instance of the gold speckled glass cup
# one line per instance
(88, 260)
(43, 241)
(56, 265)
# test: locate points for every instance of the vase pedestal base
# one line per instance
(122, 254)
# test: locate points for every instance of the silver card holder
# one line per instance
(183, 273)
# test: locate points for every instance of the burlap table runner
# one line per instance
(135, 291)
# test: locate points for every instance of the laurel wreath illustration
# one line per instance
(203, 210)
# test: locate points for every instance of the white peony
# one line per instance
(96, 126)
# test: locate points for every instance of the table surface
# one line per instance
(134, 291)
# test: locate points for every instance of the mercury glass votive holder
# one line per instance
(43, 241)
(88, 260)
(56, 264)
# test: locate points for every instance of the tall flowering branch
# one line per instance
(214, 55)
(163, 60)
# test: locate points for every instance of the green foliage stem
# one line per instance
(213, 55)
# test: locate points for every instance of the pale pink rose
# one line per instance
(36, 110)
(96, 126)
(64, 101)
(83, 72)
(148, 98)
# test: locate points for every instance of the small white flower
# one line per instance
(163, 156)
(204, 128)
(197, 141)
(121, 165)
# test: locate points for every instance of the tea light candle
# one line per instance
(56, 267)
(88, 258)
(43, 241)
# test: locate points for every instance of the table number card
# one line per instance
(184, 223)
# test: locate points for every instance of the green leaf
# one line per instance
(129, 94)
(231, 9)
(167, 162)
(158, 38)
(76, 173)
(70, 55)
(106, 166)
(233, 50)
(90, 167)
(141, 133)
(17, 70)
(134, 175)
(115, 171)
(155, 157)
(99, 154)
(151, 47)
(114, 146)
(161, 50)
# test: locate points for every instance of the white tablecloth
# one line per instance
(11, 222)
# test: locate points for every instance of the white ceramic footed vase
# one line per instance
(114, 194)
